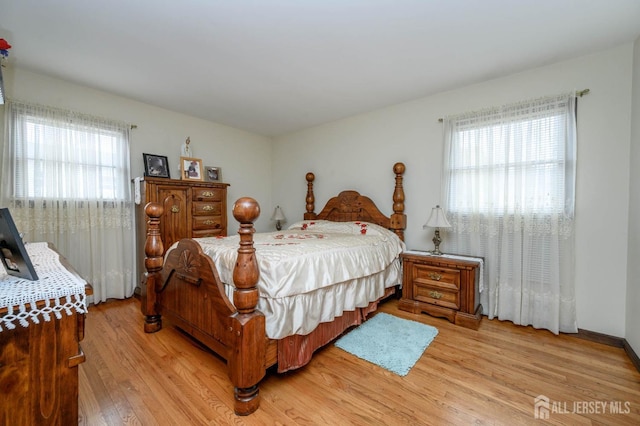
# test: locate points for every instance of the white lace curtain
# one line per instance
(509, 194)
(66, 180)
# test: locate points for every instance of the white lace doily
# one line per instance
(59, 289)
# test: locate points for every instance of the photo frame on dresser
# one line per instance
(13, 254)
(191, 168)
(213, 174)
(156, 166)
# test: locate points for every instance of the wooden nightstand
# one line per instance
(442, 286)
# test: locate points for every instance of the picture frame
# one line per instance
(191, 168)
(213, 174)
(13, 254)
(156, 166)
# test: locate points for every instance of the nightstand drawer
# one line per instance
(445, 278)
(201, 208)
(436, 295)
(207, 222)
(436, 285)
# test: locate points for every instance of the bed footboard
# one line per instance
(187, 290)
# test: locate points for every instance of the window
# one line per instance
(509, 189)
(512, 160)
(65, 177)
(94, 167)
(63, 156)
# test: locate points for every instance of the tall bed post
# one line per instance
(153, 249)
(311, 199)
(248, 324)
(398, 218)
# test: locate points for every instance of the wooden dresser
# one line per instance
(192, 209)
(442, 286)
(39, 362)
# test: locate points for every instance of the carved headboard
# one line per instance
(351, 206)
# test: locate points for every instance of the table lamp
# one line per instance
(278, 216)
(437, 220)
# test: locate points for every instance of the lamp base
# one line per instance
(436, 242)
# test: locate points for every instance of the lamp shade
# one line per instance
(437, 219)
(278, 215)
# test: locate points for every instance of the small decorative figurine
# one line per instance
(186, 149)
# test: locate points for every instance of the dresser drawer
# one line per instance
(207, 222)
(208, 233)
(203, 208)
(207, 194)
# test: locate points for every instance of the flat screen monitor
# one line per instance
(12, 252)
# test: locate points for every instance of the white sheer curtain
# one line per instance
(66, 180)
(509, 185)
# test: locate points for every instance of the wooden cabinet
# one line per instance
(39, 367)
(192, 209)
(39, 372)
(442, 286)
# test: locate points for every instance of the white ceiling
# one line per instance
(277, 66)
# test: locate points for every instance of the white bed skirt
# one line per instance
(301, 314)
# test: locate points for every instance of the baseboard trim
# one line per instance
(632, 355)
(605, 339)
(618, 342)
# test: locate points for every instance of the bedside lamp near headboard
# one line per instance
(437, 220)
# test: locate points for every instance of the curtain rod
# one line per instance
(580, 93)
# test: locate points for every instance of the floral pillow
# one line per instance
(327, 226)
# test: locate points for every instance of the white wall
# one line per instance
(245, 158)
(633, 280)
(358, 148)
(360, 151)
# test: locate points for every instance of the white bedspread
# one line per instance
(314, 271)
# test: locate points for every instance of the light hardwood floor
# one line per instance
(490, 376)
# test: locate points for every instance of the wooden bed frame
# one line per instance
(188, 291)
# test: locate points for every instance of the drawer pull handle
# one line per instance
(207, 208)
(209, 222)
(207, 194)
(435, 294)
(435, 276)
(175, 209)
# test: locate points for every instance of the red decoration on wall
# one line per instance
(4, 47)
